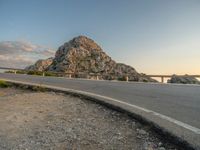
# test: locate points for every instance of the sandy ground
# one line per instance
(52, 121)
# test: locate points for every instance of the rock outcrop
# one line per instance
(40, 65)
(183, 80)
(82, 57)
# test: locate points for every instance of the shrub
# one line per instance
(123, 78)
(9, 71)
(34, 73)
(51, 74)
(21, 72)
(4, 84)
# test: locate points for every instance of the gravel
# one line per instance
(52, 121)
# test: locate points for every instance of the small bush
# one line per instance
(123, 78)
(51, 74)
(21, 72)
(9, 71)
(4, 84)
(34, 73)
(38, 89)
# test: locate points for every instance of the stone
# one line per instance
(160, 144)
(183, 80)
(161, 148)
(148, 146)
(142, 132)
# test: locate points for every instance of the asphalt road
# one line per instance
(180, 102)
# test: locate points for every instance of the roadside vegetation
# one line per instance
(4, 84)
(31, 72)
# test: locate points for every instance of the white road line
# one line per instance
(172, 120)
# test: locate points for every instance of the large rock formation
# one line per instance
(84, 58)
(40, 65)
(183, 80)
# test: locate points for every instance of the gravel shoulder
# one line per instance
(48, 120)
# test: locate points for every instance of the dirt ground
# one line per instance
(52, 121)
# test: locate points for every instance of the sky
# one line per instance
(153, 36)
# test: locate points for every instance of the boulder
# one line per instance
(183, 80)
(40, 65)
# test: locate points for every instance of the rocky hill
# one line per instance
(183, 80)
(82, 57)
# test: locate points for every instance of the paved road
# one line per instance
(180, 102)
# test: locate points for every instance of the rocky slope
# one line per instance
(183, 80)
(82, 57)
(41, 65)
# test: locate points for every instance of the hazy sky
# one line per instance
(153, 36)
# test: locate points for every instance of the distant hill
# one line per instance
(82, 57)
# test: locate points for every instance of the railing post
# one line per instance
(127, 79)
(43, 74)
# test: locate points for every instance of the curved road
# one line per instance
(180, 102)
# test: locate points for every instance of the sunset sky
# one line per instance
(153, 36)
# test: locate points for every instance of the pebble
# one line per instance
(142, 132)
(160, 144)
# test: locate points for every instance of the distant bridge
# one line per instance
(96, 76)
